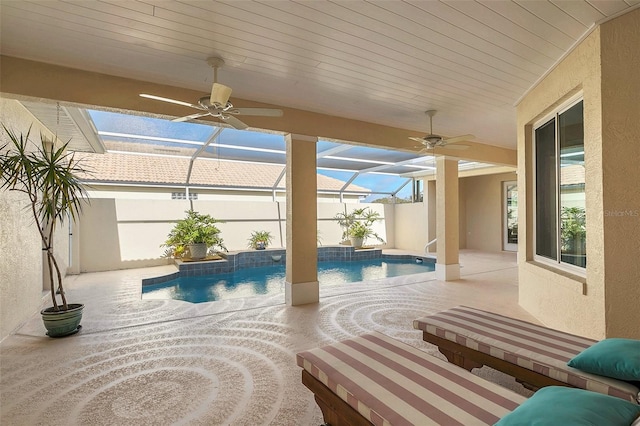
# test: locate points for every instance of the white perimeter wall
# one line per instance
(125, 233)
(411, 226)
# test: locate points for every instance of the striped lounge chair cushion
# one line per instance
(531, 346)
(391, 383)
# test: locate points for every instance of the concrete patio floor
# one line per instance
(160, 362)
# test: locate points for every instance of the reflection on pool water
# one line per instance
(270, 279)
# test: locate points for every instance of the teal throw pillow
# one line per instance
(557, 405)
(617, 358)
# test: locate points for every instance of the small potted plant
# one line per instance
(359, 231)
(49, 178)
(193, 236)
(357, 226)
(357, 234)
(260, 240)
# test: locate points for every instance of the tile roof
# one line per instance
(133, 168)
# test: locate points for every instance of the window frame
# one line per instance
(182, 196)
(554, 114)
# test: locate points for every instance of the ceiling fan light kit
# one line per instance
(217, 104)
(220, 95)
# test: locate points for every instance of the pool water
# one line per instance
(270, 279)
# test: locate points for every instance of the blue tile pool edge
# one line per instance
(234, 261)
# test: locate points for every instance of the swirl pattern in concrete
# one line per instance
(161, 362)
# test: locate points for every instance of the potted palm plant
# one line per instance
(357, 226)
(260, 240)
(49, 178)
(193, 236)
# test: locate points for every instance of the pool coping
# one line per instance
(239, 260)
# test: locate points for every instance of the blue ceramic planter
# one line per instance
(62, 323)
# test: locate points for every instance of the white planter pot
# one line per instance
(198, 250)
(357, 242)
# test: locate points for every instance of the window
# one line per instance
(183, 196)
(560, 224)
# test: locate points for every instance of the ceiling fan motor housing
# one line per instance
(217, 104)
(433, 140)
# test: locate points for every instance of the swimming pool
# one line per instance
(270, 279)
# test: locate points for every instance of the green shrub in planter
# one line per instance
(260, 240)
(359, 224)
(194, 229)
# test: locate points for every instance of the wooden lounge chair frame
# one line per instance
(468, 359)
(335, 411)
(375, 379)
(535, 355)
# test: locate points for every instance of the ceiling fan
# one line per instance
(217, 104)
(432, 141)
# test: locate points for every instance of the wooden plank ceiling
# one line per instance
(376, 61)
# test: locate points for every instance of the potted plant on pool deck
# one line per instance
(48, 176)
(357, 226)
(260, 240)
(193, 236)
(359, 231)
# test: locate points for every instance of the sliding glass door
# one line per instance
(510, 218)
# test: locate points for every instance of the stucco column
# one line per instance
(447, 218)
(301, 284)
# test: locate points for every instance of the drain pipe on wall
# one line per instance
(193, 158)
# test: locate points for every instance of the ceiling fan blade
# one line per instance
(173, 101)
(416, 139)
(190, 117)
(237, 124)
(456, 146)
(267, 112)
(458, 139)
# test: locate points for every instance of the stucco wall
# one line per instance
(563, 300)
(555, 298)
(483, 204)
(411, 226)
(124, 233)
(462, 206)
(620, 216)
(21, 284)
(480, 210)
